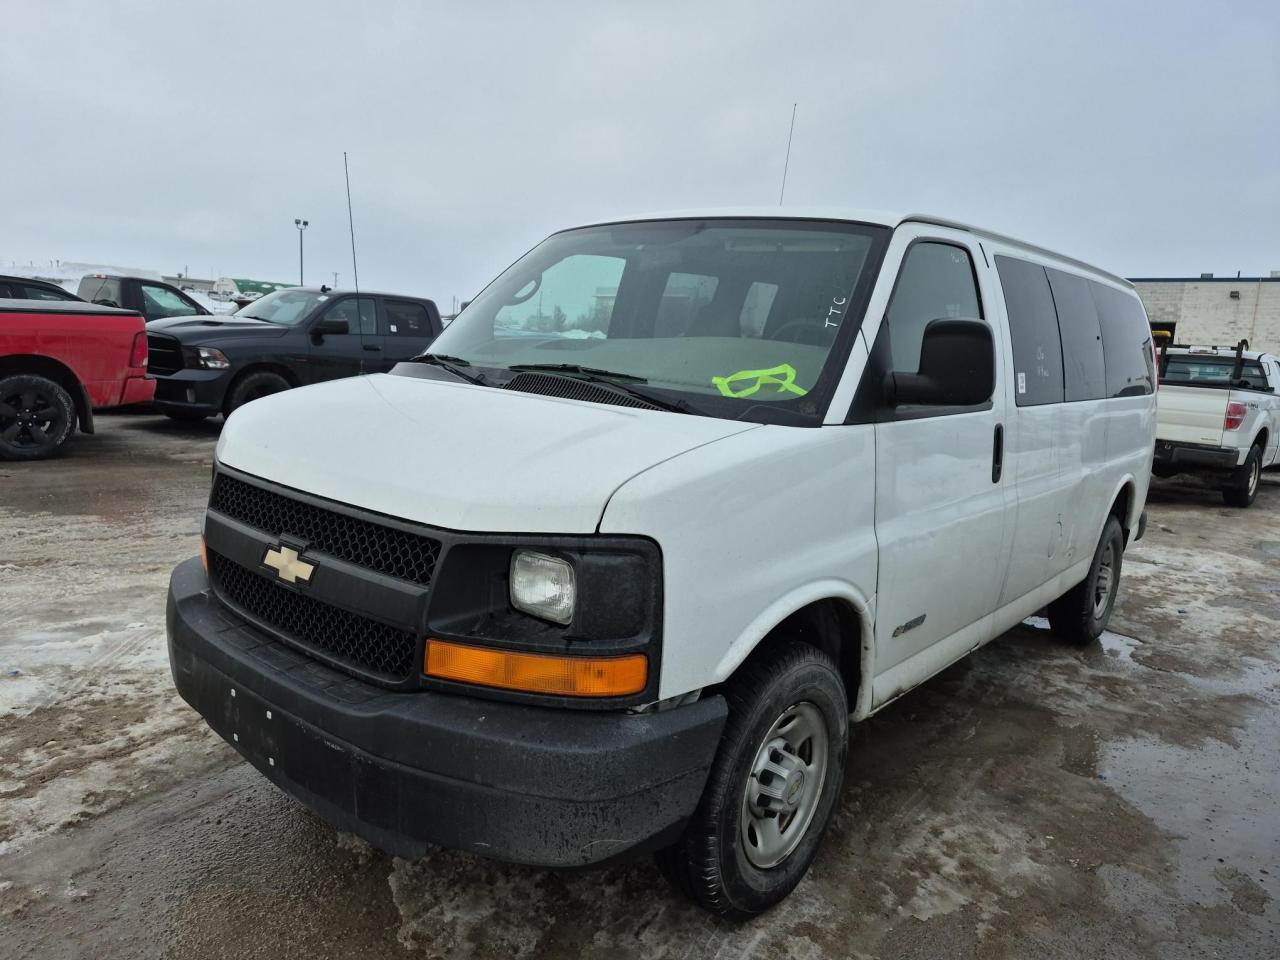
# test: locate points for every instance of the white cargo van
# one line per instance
(671, 503)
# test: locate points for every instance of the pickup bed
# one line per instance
(58, 361)
(1218, 418)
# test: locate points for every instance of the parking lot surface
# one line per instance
(1034, 800)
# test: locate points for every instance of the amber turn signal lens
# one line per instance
(537, 673)
(204, 554)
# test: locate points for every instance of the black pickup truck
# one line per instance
(206, 365)
(154, 299)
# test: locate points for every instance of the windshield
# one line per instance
(723, 314)
(287, 307)
(1213, 371)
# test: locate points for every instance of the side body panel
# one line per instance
(753, 528)
(96, 347)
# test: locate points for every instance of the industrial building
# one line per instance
(1215, 310)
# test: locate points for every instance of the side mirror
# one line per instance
(957, 367)
(330, 326)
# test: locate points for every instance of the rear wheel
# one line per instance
(1082, 613)
(1243, 487)
(36, 417)
(253, 386)
(772, 786)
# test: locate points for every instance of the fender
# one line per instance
(778, 611)
(1129, 522)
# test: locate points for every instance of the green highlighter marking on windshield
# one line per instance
(783, 375)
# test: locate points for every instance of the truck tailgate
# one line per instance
(1191, 414)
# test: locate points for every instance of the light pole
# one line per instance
(301, 225)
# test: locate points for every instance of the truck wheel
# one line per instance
(36, 417)
(1243, 487)
(1081, 614)
(772, 786)
(263, 383)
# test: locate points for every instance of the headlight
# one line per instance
(212, 359)
(543, 586)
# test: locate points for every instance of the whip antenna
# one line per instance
(786, 163)
(355, 272)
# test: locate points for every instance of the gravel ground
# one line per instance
(1031, 801)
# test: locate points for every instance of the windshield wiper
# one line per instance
(578, 368)
(619, 381)
(451, 364)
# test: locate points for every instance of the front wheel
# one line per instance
(254, 386)
(1082, 613)
(37, 416)
(1243, 488)
(772, 787)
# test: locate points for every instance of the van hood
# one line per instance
(459, 456)
(212, 329)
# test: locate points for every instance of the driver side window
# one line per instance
(163, 302)
(363, 322)
(936, 282)
(574, 300)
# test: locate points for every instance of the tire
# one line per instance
(723, 861)
(186, 416)
(37, 417)
(1242, 489)
(1081, 614)
(252, 386)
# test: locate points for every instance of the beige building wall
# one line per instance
(1206, 312)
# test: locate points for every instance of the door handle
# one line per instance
(375, 349)
(997, 454)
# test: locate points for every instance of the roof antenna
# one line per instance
(787, 163)
(351, 224)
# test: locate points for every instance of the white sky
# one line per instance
(1142, 137)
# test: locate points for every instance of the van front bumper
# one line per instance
(408, 770)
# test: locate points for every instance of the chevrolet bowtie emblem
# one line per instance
(284, 560)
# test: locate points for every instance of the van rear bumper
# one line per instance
(1177, 455)
(407, 770)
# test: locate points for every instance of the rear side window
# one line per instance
(1083, 367)
(407, 319)
(1033, 331)
(1126, 342)
(936, 282)
(45, 293)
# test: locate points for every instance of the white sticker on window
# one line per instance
(1022, 382)
(393, 328)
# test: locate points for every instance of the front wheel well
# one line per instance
(832, 626)
(279, 369)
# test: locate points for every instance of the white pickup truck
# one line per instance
(1218, 417)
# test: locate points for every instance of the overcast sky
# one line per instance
(1144, 138)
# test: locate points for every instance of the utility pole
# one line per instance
(301, 225)
(335, 279)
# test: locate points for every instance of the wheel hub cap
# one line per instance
(784, 786)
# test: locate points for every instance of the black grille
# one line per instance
(368, 644)
(396, 553)
(164, 354)
(571, 388)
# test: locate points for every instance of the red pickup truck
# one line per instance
(58, 361)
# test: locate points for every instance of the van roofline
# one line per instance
(884, 218)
